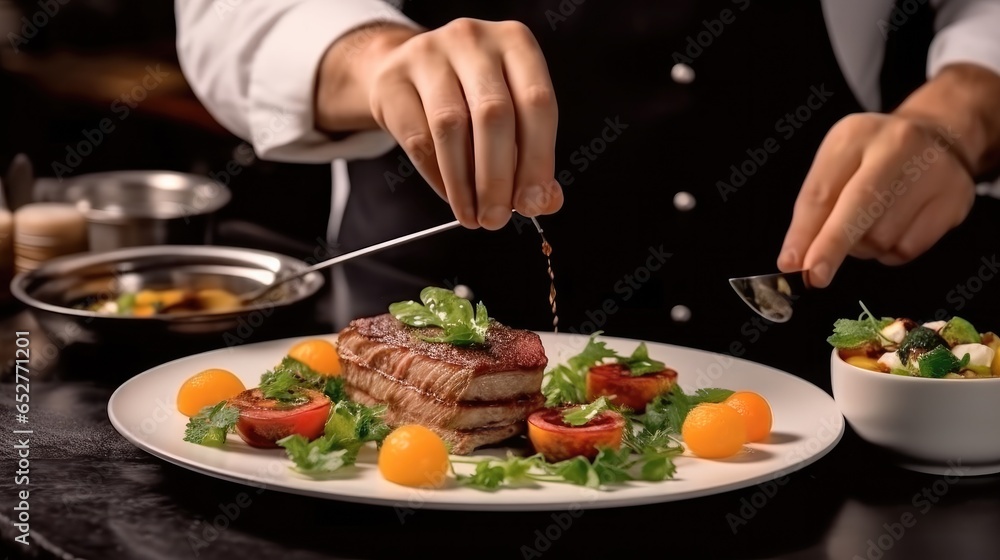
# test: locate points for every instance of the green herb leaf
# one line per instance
(126, 303)
(453, 315)
(211, 425)
(567, 383)
(667, 412)
(939, 362)
(321, 455)
(334, 388)
(492, 474)
(866, 329)
(349, 427)
(583, 414)
(639, 363)
(286, 381)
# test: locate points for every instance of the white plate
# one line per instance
(807, 424)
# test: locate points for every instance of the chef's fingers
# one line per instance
(938, 216)
(448, 121)
(493, 130)
(536, 114)
(404, 119)
(887, 216)
(838, 157)
(846, 224)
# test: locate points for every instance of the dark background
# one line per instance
(130, 505)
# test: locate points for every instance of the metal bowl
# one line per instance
(54, 289)
(142, 208)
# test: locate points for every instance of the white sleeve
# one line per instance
(967, 31)
(253, 63)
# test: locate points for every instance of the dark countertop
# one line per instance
(95, 496)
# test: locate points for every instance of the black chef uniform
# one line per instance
(685, 130)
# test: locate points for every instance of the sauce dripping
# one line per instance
(547, 251)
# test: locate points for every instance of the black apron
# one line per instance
(631, 256)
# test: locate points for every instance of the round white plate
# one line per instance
(807, 424)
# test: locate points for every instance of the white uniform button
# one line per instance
(680, 313)
(684, 201)
(463, 291)
(682, 73)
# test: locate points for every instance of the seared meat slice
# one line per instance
(471, 396)
(509, 365)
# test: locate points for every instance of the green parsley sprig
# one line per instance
(351, 425)
(211, 425)
(459, 323)
(287, 381)
(639, 363)
(667, 412)
(583, 414)
(567, 383)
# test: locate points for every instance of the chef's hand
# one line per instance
(888, 187)
(471, 103)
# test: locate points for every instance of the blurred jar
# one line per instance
(6, 254)
(46, 230)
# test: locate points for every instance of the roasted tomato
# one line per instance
(634, 392)
(557, 440)
(264, 421)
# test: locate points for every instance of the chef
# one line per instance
(663, 147)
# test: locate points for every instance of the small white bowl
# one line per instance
(936, 426)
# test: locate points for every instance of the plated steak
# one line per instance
(471, 396)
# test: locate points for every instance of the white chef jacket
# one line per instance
(253, 63)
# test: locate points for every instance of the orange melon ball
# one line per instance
(318, 354)
(756, 412)
(714, 431)
(207, 388)
(414, 456)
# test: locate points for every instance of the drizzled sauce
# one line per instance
(547, 251)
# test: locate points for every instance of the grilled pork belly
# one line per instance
(470, 396)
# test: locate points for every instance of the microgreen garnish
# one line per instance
(567, 383)
(441, 308)
(287, 381)
(848, 333)
(211, 424)
(639, 363)
(583, 414)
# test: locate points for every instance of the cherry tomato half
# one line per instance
(634, 392)
(557, 440)
(264, 421)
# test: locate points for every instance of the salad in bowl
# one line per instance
(951, 349)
